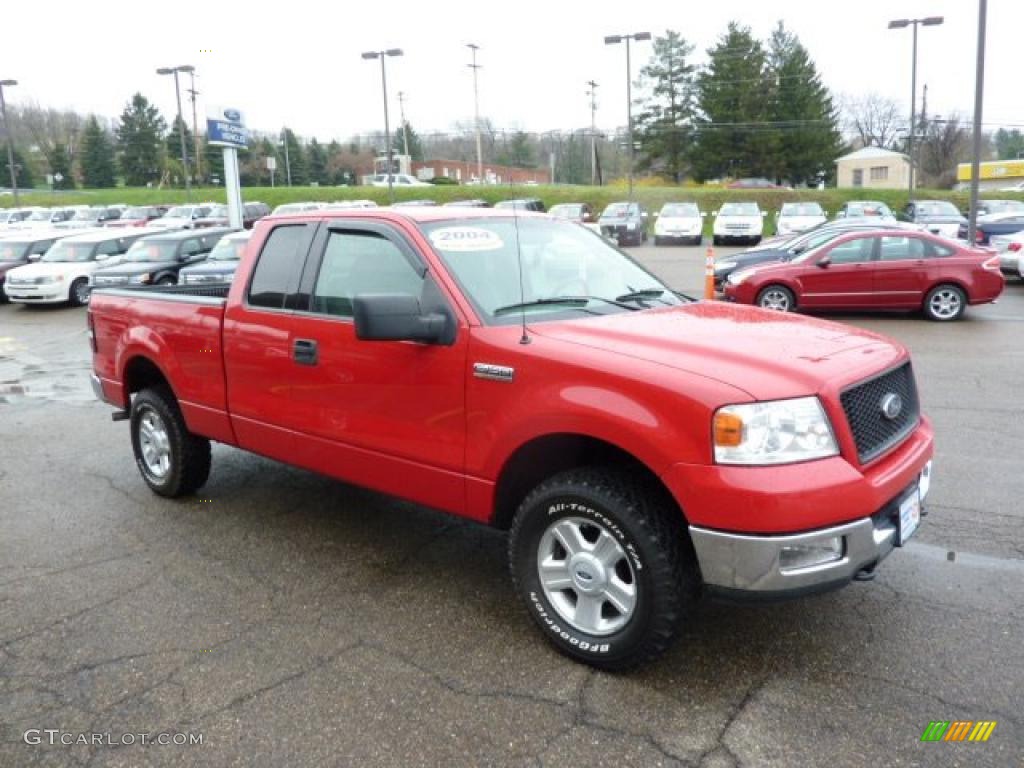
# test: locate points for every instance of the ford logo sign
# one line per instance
(892, 406)
(233, 115)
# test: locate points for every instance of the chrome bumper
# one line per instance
(735, 563)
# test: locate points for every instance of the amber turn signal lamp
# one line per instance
(728, 430)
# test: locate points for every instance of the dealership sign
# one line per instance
(225, 127)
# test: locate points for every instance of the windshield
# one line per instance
(151, 251)
(802, 209)
(41, 216)
(136, 214)
(13, 251)
(64, 251)
(867, 209)
(228, 250)
(218, 212)
(558, 260)
(617, 210)
(1003, 206)
(88, 214)
(809, 245)
(740, 209)
(566, 211)
(680, 210)
(178, 212)
(939, 208)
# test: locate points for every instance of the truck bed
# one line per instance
(218, 291)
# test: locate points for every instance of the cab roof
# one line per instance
(421, 214)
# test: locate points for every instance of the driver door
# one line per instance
(847, 280)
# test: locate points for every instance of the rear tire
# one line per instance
(166, 281)
(173, 461)
(776, 297)
(614, 594)
(945, 303)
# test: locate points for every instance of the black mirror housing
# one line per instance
(399, 317)
(825, 261)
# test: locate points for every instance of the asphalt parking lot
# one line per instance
(292, 620)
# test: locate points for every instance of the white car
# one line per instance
(349, 204)
(397, 180)
(738, 221)
(296, 208)
(62, 274)
(180, 217)
(794, 218)
(11, 217)
(1011, 251)
(45, 218)
(679, 222)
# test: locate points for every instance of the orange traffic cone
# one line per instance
(709, 274)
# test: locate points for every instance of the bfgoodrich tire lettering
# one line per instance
(645, 527)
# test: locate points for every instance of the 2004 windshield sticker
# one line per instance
(465, 239)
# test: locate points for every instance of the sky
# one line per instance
(299, 63)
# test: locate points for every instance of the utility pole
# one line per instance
(192, 92)
(287, 161)
(10, 144)
(405, 131)
(476, 113)
(979, 89)
(181, 122)
(593, 131)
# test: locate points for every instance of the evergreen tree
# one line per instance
(664, 126)
(415, 145)
(317, 163)
(805, 133)
(96, 157)
(139, 139)
(731, 98)
(22, 171)
(60, 165)
(1009, 144)
(520, 153)
(172, 150)
(296, 161)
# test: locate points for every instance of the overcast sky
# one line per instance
(300, 65)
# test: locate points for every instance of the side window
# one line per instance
(901, 248)
(361, 262)
(41, 247)
(190, 247)
(852, 251)
(277, 270)
(936, 251)
(110, 248)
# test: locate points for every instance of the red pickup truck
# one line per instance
(640, 447)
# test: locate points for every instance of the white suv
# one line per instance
(738, 222)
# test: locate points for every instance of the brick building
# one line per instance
(465, 172)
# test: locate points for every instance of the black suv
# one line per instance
(157, 259)
(625, 223)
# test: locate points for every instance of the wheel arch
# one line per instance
(547, 455)
(140, 372)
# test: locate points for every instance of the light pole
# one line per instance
(192, 92)
(979, 87)
(405, 130)
(476, 113)
(382, 55)
(930, 21)
(10, 145)
(592, 93)
(614, 40)
(287, 160)
(181, 122)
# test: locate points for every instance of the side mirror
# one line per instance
(398, 317)
(825, 261)
(35, 256)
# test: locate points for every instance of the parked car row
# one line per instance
(63, 266)
(120, 216)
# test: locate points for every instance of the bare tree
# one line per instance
(50, 127)
(874, 121)
(945, 143)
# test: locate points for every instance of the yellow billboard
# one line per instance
(995, 169)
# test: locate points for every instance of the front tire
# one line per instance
(78, 293)
(776, 297)
(945, 303)
(601, 559)
(173, 461)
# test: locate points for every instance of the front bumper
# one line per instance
(38, 293)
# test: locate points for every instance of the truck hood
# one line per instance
(768, 355)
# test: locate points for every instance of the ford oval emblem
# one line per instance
(892, 406)
(233, 115)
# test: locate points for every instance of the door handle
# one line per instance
(304, 351)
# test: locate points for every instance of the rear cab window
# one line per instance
(278, 267)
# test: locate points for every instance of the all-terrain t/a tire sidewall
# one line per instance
(189, 454)
(660, 598)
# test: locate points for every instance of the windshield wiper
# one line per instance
(643, 293)
(575, 302)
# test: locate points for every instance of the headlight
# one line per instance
(774, 432)
(49, 279)
(139, 279)
(735, 278)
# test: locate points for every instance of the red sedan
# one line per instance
(879, 269)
